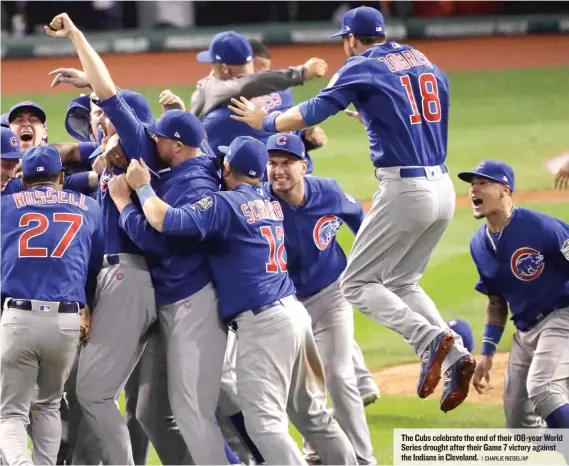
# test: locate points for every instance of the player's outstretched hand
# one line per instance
(114, 155)
(315, 68)
(61, 26)
(170, 101)
(562, 177)
(85, 328)
(137, 174)
(355, 115)
(247, 112)
(71, 76)
(482, 371)
(316, 136)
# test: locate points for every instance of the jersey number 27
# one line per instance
(42, 224)
(277, 261)
(430, 103)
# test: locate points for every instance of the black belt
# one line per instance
(257, 310)
(113, 259)
(65, 307)
(418, 172)
(540, 317)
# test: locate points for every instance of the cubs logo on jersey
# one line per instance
(527, 264)
(105, 178)
(325, 231)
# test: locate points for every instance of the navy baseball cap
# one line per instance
(78, 119)
(494, 170)
(362, 21)
(4, 120)
(465, 331)
(41, 160)
(179, 125)
(287, 142)
(228, 47)
(247, 155)
(26, 106)
(10, 145)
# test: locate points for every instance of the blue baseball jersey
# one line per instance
(530, 267)
(53, 249)
(315, 259)
(404, 101)
(248, 258)
(78, 182)
(177, 265)
(221, 129)
(136, 144)
(85, 151)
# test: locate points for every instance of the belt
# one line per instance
(113, 259)
(418, 172)
(64, 307)
(257, 310)
(541, 316)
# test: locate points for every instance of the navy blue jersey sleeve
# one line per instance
(339, 94)
(85, 150)
(130, 129)
(559, 240)
(15, 185)
(210, 216)
(96, 257)
(481, 285)
(350, 209)
(78, 182)
(146, 238)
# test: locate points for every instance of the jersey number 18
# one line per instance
(430, 103)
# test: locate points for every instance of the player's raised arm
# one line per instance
(94, 68)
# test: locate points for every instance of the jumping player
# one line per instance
(51, 255)
(522, 257)
(314, 209)
(273, 329)
(403, 101)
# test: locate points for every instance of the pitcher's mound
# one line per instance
(402, 380)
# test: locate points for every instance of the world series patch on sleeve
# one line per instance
(204, 203)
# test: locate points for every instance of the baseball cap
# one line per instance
(41, 160)
(494, 170)
(362, 21)
(4, 120)
(179, 125)
(26, 106)
(78, 119)
(10, 145)
(287, 142)
(465, 331)
(247, 155)
(228, 47)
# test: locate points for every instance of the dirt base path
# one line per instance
(402, 380)
(179, 68)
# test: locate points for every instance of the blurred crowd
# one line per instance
(26, 17)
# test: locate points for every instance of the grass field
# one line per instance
(519, 116)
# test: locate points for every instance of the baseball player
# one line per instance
(403, 100)
(522, 258)
(272, 328)
(28, 121)
(10, 157)
(232, 75)
(50, 260)
(184, 293)
(314, 209)
(314, 138)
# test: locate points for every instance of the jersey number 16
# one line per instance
(430, 103)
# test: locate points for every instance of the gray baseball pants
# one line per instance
(195, 346)
(36, 346)
(391, 251)
(279, 371)
(537, 379)
(333, 328)
(366, 382)
(124, 310)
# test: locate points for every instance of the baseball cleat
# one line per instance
(370, 398)
(457, 382)
(431, 363)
